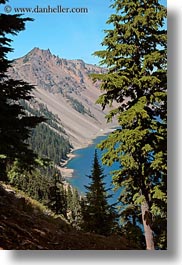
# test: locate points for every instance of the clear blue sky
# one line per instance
(70, 36)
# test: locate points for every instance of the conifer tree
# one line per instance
(73, 206)
(98, 216)
(57, 196)
(130, 217)
(135, 55)
(15, 125)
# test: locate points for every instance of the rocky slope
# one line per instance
(65, 87)
(25, 225)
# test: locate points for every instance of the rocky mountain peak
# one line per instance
(38, 54)
(67, 90)
(37, 50)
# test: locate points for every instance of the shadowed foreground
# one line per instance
(24, 224)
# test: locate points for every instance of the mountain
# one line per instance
(66, 90)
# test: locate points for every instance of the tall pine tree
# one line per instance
(57, 196)
(135, 55)
(15, 124)
(98, 216)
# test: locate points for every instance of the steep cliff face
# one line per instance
(65, 87)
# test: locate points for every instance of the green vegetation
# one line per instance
(23, 140)
(49, 144)
(35, 184)
(78, 106)
(135, 55)
(48, 139)
(15, 124)
(98, 216)
(57, 196)
(39, 109)
(51, 190)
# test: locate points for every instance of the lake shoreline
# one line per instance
(68, 172)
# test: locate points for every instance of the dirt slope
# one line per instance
(23, 226)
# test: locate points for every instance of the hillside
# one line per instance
(25, 224)
(65, 88)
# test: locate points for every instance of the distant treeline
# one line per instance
(48, 139)
(51, 190)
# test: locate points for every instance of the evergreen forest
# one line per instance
(48, 139)
(33, 142)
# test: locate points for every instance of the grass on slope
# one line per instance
(26, 224)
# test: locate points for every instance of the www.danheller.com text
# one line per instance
(47, 9)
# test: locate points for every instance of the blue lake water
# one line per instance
(82, 165)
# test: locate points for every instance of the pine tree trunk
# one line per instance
(146, 218)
